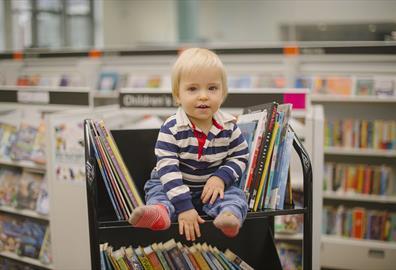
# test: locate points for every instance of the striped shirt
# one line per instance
(184, 164)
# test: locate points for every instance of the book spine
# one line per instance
(117, 169)
(169, 260)
(264, 182)
(124, 210)
(162, 260)
(200, 260)
(262, 156)
(274, 161)
(110, 191)
(118, 156)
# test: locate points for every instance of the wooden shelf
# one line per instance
(24, 164)
(359, 197)
(359, 152)
(352, 99)
(23, 212)
(23, 259)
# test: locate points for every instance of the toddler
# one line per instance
(200, 152)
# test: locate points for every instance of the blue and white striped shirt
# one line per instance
(224, 154)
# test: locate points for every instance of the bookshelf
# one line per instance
(104, 228)
(344, 59)
(356, 253)
(29, 261)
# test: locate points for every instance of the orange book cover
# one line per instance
(358, 223)
(339, 85)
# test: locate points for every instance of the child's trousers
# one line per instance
(234, 200)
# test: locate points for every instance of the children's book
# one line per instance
(23, 144)
(69, 151)
(42, 205)
(364, 86)
(38, 154)
(284, 169)
(275, 164)
(237, 260)
(108, 81)
(9, 179)
(264, 153)
(7, 139)
(28, 190)
(384, 86)
(252, 126)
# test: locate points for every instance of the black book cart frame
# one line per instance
(255, 242)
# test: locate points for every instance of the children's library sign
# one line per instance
(235, 99)
(137, 100)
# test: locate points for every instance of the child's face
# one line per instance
(201, 94)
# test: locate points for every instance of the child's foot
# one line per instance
(154, 217)
(228, 223)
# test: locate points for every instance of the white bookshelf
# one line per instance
(28, 165)
(342, 151)
(289, 236)
(23, 212)
(340, 252)
(31, 261)
(346, 253)
(359, 197)
(352, 99)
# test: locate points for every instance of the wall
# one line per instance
(129, 22)
(260, 20)
(126, 23)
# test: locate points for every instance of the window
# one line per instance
(52, 24)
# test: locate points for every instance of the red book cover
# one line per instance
(358, 222)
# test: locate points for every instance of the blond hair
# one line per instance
(196, 59)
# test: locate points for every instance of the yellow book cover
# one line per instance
(363, 133)
(113, 262)
(119, 258)
(360, 179)
(143, 259)
(199, 258)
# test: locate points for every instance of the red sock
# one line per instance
(230, 231)
(154, 217)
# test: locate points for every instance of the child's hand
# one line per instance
(214, 187)
(189, 224)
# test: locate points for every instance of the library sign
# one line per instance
(239, 99)
(144, 100)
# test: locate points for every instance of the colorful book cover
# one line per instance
(271, 109)
(38, 154)
(7, 139)
(283, 173)
(108, 81)
(121, 163)
(384, 86)
(69, 151)
(9, 179)
(364, 86)
(23, 144)
(28, 190)
(237, 260)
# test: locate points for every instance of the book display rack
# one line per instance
(254, 244)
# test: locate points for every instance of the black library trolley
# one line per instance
(254, 244)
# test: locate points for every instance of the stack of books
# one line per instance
(120, 186)
(169, 255)
(266, 180)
